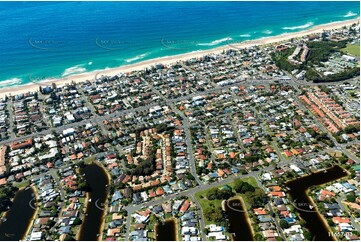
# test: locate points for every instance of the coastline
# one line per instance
(31, 87)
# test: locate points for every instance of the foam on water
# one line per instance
(74, 70)
(304, 26)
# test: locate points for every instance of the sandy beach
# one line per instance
(172, 59)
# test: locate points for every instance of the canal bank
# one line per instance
(106, 199)
(36, 196)
(239, 222)
(305, 206)
(166, 231)
(95, 208)
(17, 221)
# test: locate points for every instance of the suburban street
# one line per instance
(191, 192)
(186, 126)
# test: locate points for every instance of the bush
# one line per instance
(284, 224)
(215, 193)
(242, 187)
(351, 197)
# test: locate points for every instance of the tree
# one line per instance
(224, 194)
(212, 194)
(50, 223)
(351, 129)
(351, 197)
(77, 221)
(242, 187)
(83, 186)
(215, 193)
(7, 192)
(214, 215)
(330, 222)
(258, 237)
(69, 238)
(190, 176)
(258, 198)
(284, 224)
(307, 234)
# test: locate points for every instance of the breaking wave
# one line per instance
(350, 14)
(10, 82)
(215, 42)
(307, 25)
(138, 57)
(74, 70)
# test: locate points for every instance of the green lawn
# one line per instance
(353, 50)
(205, 203)
(89, 160)
(250, 180)
(22, 184)
(217, 204)
(108, 218)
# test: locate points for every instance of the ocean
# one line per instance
(43, 40)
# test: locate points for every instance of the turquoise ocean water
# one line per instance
(41, 40)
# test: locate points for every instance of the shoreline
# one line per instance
(315, 204)
(31, 222)
(323, 219)
(83, 215)
(32, 219)
(245, 212)
(105, 212)
(176, 224)
(319, 171)
(31, 87)
(85, 209)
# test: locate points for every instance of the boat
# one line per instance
(89, 200)
(4, 219)
(27, 188)
(9, 235)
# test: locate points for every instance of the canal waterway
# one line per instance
(166, 231)
(97, 181)
(17, 220)
(302, 202)
(240, 227)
